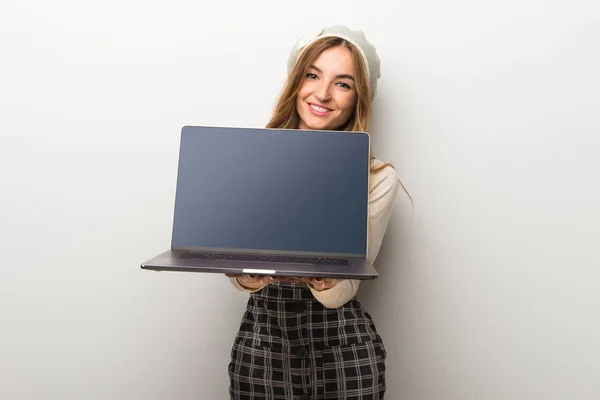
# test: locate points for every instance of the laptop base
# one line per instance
(175, 260)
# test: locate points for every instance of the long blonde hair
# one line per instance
(285, 114)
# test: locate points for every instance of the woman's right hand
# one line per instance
(254, 282)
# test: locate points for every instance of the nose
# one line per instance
(323, 93)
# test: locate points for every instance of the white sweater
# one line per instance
(382, 192)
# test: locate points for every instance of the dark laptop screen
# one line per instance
(279, 190)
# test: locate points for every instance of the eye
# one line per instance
(310, 75)
(344, 85)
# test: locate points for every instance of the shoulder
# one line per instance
(383, 187)
(384, 177)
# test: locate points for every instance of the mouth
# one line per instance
(319, 110)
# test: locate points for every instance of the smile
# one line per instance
(318, 110)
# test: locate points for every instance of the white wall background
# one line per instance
(489, 110)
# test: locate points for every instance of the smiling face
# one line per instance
(327, 95)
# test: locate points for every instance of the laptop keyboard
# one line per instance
(266, 258)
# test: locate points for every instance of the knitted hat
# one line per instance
(357, 38)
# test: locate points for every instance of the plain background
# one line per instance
(488, 109)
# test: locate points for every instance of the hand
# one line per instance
(320, 284)
(254, 282)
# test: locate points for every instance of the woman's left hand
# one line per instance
(322, 283)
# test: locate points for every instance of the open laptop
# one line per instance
(281, 202)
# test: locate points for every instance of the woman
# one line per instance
(310, 338)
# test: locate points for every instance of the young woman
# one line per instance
(310, 338)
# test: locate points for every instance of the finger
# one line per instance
(251, 279)
(318, 284)
(268, 279)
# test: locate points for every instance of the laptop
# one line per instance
(281, 202)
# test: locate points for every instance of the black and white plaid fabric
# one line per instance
(290, 347)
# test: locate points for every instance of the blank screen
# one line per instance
(278, 190)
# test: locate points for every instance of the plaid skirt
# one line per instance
(289, 346)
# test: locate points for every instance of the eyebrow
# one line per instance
(342, 76)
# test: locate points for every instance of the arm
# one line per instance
(384, 187)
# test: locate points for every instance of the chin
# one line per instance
(318, 125)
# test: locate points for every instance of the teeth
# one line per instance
(319, 109)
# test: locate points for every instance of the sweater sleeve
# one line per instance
(383, 190)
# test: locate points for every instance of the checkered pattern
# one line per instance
(290, 346)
